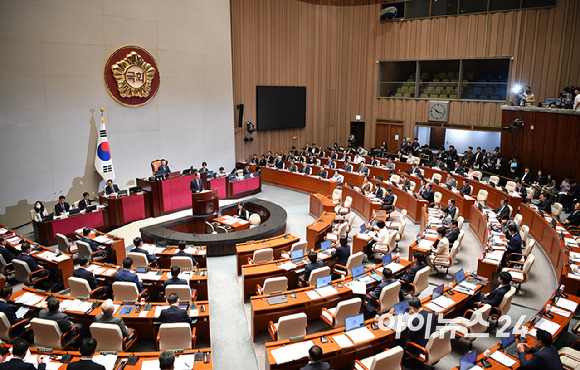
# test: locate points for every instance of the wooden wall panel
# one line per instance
(333, 47)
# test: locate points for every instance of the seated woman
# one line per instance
(472, 173)
(38, 212)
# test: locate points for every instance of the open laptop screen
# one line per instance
(438, 291)
(507, 340)
(401, 307)
(297, 254)
(354, 322)
(363, 228)
(358, 271)
(468, 361)
(387, 258)
(325, 245)
(321, 282)
(459, 276)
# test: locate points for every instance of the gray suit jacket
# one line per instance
(113, 320)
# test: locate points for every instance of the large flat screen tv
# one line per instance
(281, 107)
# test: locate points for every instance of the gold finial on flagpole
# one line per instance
(102, 110)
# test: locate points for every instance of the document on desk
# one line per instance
(547, 325)
(326, 291)
(186, 275)
(287, 266)
(194, 312)
(159, 250)
(150, 365)
(566, 304)
(28, 299)
(425, 244)
(150, 248)
(109, 272)
(102, 239)
(444, 302)
(108, 361)
(360, 334)
(143, 313)
(184, 362)
(395, 267)
(342, 341)
(292, 352)
(561, 312)
(158, 310)
(503, 359)
(357, 287)
(433, 307)
(312, 295)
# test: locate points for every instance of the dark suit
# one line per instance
(452, 210)
(502, 211)
(18, 364)
(379, 192)
(174, 315)
(421, 335)
(196, 185)
(279, 164)
(514, 246)
(465, 190)
(452, 236)
(494, 298)
(185, 254)
(95, 248)
(9, 312)
(311, 267)
(59, 317)
(428, 195)
(82, 273)
(574, 218)
(111, 189)
(263, 163)
(322, 173)
(8, 256)
(527, 177)
(316, 366)
(307, 170)
(30, 262)
(85, 364)
(174, 281)
(331, 164)
(163, 168)
(545, 206)
(128, 276)
(388, 202)
(150, 257)
(543, 359)
(293, 168)
(83, 204)
(59, 209)
(347, 167)
(416, 171)
(410, 275)
(371, 304)
(363, 169)
(101, 318)
(341, 253)
(458, 169)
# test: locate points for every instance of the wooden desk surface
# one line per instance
(278, 244)
(115, 243)
(237, 223)
(198, 252)
(45, 231)
(316, 231)
(297, 181)
(320, 203)
(360, 203)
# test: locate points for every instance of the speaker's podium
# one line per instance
(205, 207)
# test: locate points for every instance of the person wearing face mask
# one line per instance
(528, 97)
(38, 212)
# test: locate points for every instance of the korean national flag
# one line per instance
(103, 158)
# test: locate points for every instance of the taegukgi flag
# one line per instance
(103, 158)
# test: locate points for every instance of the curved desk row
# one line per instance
(316, 231)
(278, 244)
(297, 181)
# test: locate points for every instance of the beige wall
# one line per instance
(52, 55)
(333, 50)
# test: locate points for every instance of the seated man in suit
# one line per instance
(379, 191)
(107, 318)
(6, 254)
(374, 161)
(505, 224)
(514, 248)
(405, 182)
(337, 177)
(111, 188)
(138, 243)
(428, 194)
(466, 188)
(88, 347)
(61, 207)
(331, 163)
(52, 313)
(347, 166)
(503, 209)
(255, 159)
(166, 360)
(521, 189)
(196, 185)
(420, 329)
(182, 253)
(174, 314)
(545, 356)
(19, 352)
(453, 233)
(450, 182)
(574, 218)
(85, 202)
(279, 163)
(174, 279)
(30, 261)
(94, 247)
(439, 164)
(306, 169)
(7, 309)
(323, 173)
(333, 155)
(311, 266)
(495, 297)
(315, 357)
(263, 162)
(451, 207)
(363, 169)
(416, 171)
(545, 204)
(83, 273)
(126, 275)
(293, 167)
(409, 277)
(370, 300)
(457, 168)
(164, 167)
(527, 176)
(341, 253)
(388, 200)
(390, 165)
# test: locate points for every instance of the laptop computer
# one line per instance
(436, 181)
(438, 291)
(459, 276)
(363, 228)
(297, 256)
(509, 344)
(321, 282)
(468, 361)
(354, 322)
(325, 246)
(358, 272)
(74, 211)
(387, 258)
(50, 217)
(91, 208)
(401, 307)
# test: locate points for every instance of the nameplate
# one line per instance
(127, 301)
(44, 349)
(174, 350)
(296, 338)
(108, 264)
(108, 352)
(186, 269)
(83, 298)
(186, 301)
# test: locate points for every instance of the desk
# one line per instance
(243, 188)
(319, 204)
(297, 181)
(114, 243)
(278, 244)
(316, 231)
(408, 201)
(143, 324)
(237, 223)
(127, 209)
(198, 252)
(360, 203)
(45, 231)
(62, 265)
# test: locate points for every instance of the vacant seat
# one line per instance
(80, 288)
(289, 326)
(518, 220)
(438, 346)
(299, 245)
(183, 262)
(353, 261)
(5, 268)
(478, 175)
(556, 210)
(482, 196)
(400, 233)
(349, 224)
(524, 232)
(336, 195)
(387, 245)
(521, 276)
(338, 233)
(389, 297)
(261, 256)
(185, 293)
(23, 274)
(110, 338)
(436, 176)
(335, 316)
(126, 291)
(460, 221)
(65, 245)
(494, 180)
(511, 212)
(85, 250)
(468, 327)
(7, 331)
(389, 359)
(570, 358)
(48, 334)
(178, 336)
(403, 215)
(395, 179)
(273, 285)
(139, 259)
(255, 219)
(345, 208)
(510, 186)
(437, 200)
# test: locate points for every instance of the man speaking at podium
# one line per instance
(196, 185)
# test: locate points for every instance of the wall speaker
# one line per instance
(240, 108)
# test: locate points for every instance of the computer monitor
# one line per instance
(122, 193)
(297, 254)
(50, 217)
(401, 307)
(321, 282)
(553, 223)
(91, 208)
(134, 189)
(233, 176)
(387, 258)
(247, 176)
(186, 172)
(459, 276)
(438, 291)
(468, 361)
(363, 228)
(184, 306)
(507, 340)
(354, 322)
(358, 271)
(327, 244)
(141, 270)
(74, 211)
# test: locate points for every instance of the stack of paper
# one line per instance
(158, 310)
(503, 359)
(357, 287)
(102, 239)
(425, 244)
(184, 362)
(186, 275)
(292, 352)
(342, 341)
(150, 248)
(312, 295)
(547, 325)
(443, 302)
(566, 304)
(326, 291)
(75, 305)
(287, 266)
(433, 307)
(360, 334)
(29, 299)
(561, 312)
(395, 267)
(150, 365)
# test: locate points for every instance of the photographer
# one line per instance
(528, 97)
(576, 104)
